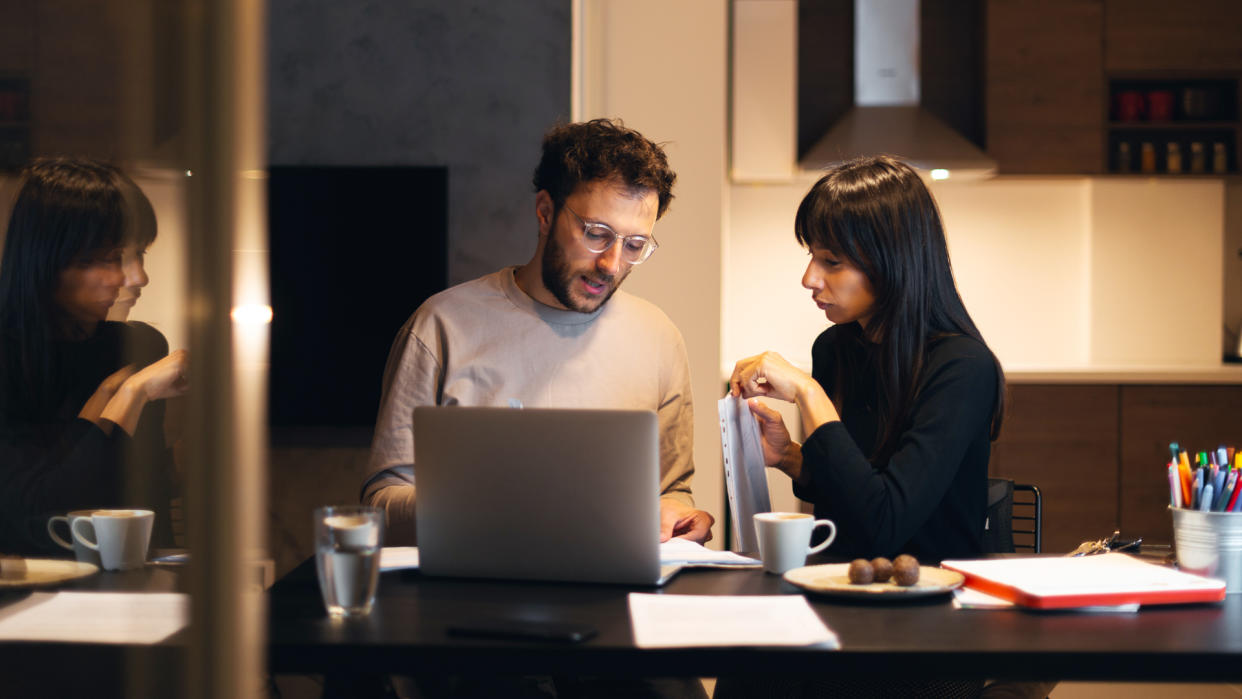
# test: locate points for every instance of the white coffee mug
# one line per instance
(121, 536)
(79, 549)
(784, 539)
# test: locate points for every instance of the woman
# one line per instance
(78, 428)
(904, 397)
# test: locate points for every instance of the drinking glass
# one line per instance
(347, 556)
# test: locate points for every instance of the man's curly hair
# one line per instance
(602, 149)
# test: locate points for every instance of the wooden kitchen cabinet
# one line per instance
(1158, 35)
(1097, 452)
(1198, 417)
(1063, 439)
(1045, 85)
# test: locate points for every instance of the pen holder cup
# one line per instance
(1210, 543)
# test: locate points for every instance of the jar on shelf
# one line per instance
(1147, 157)
(1220, 158)
(1198, 159)
(1124, 163)
(1173, 158)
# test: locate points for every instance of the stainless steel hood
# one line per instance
(886, 117)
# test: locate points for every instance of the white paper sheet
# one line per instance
(684, 552)
(679, 621)
(96, 617)
(968, 598)
(745, 477)
(398, 558)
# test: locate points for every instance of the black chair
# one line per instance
(1014, 517)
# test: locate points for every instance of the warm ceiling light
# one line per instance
(252, 314)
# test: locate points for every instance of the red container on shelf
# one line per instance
(1160, 105)
(1130, 106)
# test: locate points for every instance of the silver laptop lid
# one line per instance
(538, 493)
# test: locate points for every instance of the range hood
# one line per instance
(886, 117)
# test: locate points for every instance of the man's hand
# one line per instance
(679, 519)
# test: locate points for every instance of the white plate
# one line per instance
(44, 571)
(833, 579)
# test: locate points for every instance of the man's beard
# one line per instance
(557, 277)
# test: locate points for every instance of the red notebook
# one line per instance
(1085, 581)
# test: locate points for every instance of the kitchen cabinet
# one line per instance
(1158, 35)
(1063, 439)
(1044, 80)
(1056, 71)
(1097, 452)
(1198, 417)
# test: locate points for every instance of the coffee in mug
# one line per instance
(121, 536)
(785, 537)
(80, 552)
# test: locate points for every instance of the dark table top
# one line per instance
(406, 633)
(44, 669)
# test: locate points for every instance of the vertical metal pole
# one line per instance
(226, 483)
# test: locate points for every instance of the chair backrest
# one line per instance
(1014, 517)
(1028, 518)
(998, 527)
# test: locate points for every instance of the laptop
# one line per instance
(539, 494)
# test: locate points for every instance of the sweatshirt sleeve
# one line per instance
(676, 417)
(80, 468)
(887, 505)
(412, 377)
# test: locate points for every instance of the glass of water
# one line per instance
(347, 555)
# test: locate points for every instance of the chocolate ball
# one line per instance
(883, 569)
(905, 570)
(861, 572)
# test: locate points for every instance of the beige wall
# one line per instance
(662, 68)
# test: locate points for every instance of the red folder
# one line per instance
(1043, 582)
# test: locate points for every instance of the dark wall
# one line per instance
(466, 84)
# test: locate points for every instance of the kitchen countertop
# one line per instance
(1217, 374)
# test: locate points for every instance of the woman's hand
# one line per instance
(107, 389)
(768, 374)
(167, 378)
(779, 449)
(164, 379)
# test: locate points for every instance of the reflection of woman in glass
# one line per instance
(80, 410)
(140, 233)
(904, 397)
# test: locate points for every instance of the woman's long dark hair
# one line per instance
(877, 213)
(67, 210)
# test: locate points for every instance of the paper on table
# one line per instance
(746, 479)
(677, 551)
(678, 621)
(967, 598)
(398, 557)
(97, 617)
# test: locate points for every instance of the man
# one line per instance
(555, 332)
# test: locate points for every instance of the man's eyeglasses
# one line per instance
(597, 237)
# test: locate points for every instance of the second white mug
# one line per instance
(785, 537)
(79, 549)
(121, 536)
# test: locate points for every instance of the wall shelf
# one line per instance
(1172, 124)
